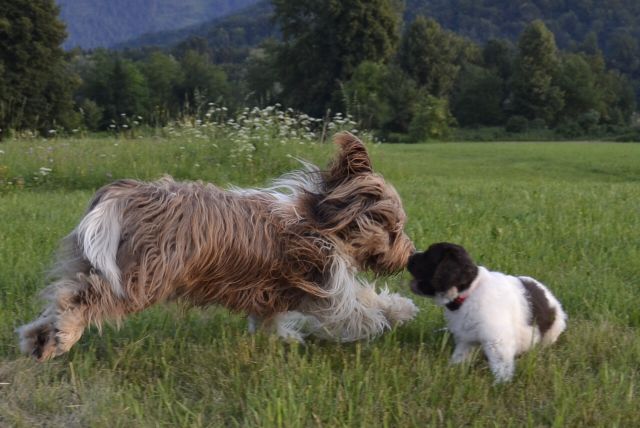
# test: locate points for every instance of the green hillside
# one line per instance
(244, 28)
(613, 26)
(103, 23)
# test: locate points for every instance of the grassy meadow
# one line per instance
(565, 213)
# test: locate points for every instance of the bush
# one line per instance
(91, 114)
(517, 124)
(570, 129)
(431, 119)
(629, 137)
(589, 120)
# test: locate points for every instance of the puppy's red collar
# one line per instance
(455, 304)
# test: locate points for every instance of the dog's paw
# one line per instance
(39, 339)
(398, 309)
(292, 326)
(253, 322)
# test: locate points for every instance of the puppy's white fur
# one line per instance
(496, 315)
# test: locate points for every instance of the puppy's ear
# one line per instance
(418, 265)
(456, 268)
(352, 160)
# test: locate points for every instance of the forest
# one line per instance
(394, 67)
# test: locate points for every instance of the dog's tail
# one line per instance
(98, 236)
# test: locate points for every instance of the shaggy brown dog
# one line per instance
(286, 255)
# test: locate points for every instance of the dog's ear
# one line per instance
(352, 160)
(349, 187)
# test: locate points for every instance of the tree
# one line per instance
(262, 77)
(116, 85)
(128, 89)
(478, 97)
(164, 77)
(535, 92)
(431, 56)
(203, 82)
(431, 118)
(579, 84)
(624, 52)
(381, 97)
(366, 95)
(498, 55)
(619, 98)
(35, 84)
(324, 42)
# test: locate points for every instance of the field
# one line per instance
(565, 213)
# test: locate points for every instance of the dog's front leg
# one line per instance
(253, 322)
(292, 326)
(355, 311)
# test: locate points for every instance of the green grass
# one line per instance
(567, 214)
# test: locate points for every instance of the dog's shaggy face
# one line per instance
(362, 212)
(442, 272)
(286, 255)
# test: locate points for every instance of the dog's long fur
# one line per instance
(287, 255)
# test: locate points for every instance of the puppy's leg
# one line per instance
(501, 356)
(74, 303)
(462, 352)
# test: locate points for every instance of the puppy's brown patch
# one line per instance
(542, 314)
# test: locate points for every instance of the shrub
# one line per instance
(517, 124)
(431, 119)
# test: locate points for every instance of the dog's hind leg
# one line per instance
(74, 303)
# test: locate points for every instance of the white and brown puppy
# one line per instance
(286, 255)
(504, 314)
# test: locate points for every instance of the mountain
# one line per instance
(612, 26)
(238, 30)
(571, 21)
(104, 23)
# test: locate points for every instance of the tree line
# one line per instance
(353, 56)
